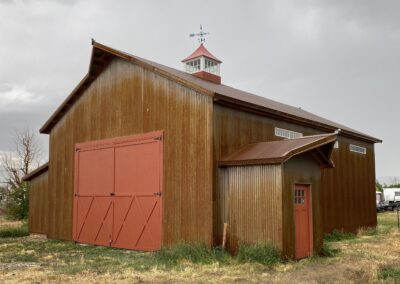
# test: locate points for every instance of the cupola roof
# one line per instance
(201, 51)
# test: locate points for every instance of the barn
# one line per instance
(143, 156)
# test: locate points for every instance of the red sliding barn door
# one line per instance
(118, 192)
(137, 197)
(303, 220)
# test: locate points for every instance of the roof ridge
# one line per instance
(222, 93)
(214, 85)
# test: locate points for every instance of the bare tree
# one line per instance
(26, 156)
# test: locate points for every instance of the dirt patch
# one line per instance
(17, 266)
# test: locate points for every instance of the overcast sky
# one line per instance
(337, 59)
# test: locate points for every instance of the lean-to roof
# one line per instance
(276, 152)
(43, 168)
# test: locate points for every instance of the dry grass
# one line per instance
(372, 256)
(9, 223)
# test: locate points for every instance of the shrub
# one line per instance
(264, 253)
(14, 232)
(328, 251)
(337, 236)
(16, 203)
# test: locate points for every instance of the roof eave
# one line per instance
(152, 68)
(43, 168)
(251, 162)
(246, 106)
(91, 76)
(305, 148)
(48, 125)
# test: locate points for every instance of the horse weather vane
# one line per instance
(201, 35)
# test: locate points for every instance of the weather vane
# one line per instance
(201, 35)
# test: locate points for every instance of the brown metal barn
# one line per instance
(144, 156)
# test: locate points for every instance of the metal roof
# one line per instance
(43, 168)
(276, 152)
(201, 51)
(222, 94)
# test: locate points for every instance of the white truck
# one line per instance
(389, 199)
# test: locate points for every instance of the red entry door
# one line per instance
(118, 192)
(303, 220)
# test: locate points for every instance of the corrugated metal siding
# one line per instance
(234, 129)
(348, 189)
(251, 203)
(348, 195)
(38, 204)
(127, 99)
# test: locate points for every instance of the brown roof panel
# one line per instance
(275, 152)
(221, 93)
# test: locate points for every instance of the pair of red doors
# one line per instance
(118, 192)
(303, 221)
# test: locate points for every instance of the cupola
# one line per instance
(202, 63)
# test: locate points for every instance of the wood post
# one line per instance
(224, 235)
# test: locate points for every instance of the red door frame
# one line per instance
(116, 142)
(307, 187)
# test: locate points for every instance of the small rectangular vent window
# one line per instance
(358, 149)
(397, 193)
(280, 132)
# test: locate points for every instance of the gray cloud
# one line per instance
(338, 59)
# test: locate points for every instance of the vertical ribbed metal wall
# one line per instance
(127, 99)
(251, 204)
(38, 204)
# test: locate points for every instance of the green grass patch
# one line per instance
(69, 258)
(387, 272)
(195, 253)
(14, 232)
(263, 253)
(73, 259)
(386, 222)
(337, 236)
